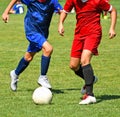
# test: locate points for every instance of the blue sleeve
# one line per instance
(57, 6)
(27, 2)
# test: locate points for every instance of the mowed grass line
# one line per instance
(66, 86)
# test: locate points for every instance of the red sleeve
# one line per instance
(104, 5)
(68, 5)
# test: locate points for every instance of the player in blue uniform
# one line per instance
(36, 22)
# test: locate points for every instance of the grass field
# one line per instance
(66, 86)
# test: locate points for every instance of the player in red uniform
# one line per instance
(87, 37)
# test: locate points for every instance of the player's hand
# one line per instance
(61, 29)
(5, 17)
(112, 34)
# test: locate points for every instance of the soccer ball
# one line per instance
(42, 95)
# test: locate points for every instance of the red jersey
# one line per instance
(87, 15)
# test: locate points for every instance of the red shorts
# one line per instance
(90, 42)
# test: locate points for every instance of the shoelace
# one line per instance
(46, 80)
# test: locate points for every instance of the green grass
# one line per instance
(66, 86)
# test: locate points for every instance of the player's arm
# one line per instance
(62, 18)
(5, 15)
(113, 15)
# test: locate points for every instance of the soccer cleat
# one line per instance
(43, 81)
(83, 90)
(14, 80)
(87, 99)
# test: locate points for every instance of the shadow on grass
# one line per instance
(99, 98)
(58, 91)
(107, 97)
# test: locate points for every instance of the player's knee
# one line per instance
(28, 58)
(73, 67)
(48, 51)
(84, 62)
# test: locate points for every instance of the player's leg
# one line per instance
(90, 47)
(87, 71)
(47, 50)
(24, 62)
(88, 77)
(22, 65)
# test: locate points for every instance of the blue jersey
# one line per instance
(39, 15)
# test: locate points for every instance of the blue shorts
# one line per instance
(36, 42)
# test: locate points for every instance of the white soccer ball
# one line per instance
(42, 95)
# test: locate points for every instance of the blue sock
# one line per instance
(44, 64)
(21, 66)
